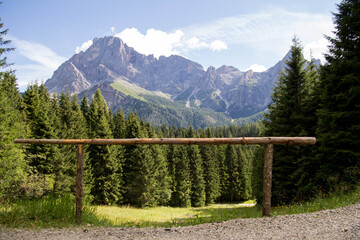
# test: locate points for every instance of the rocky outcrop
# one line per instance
(226, 89)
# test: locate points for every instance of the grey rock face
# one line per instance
(226, 89)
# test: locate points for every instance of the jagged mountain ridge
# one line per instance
(122, 73)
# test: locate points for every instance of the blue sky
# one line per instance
(244, 34)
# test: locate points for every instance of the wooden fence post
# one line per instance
(268, 162)
(79, 182)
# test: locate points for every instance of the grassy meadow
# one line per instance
(60, 212)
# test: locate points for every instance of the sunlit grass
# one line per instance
(60, 212)
(48, 211)
(169, 216)
(320, 203)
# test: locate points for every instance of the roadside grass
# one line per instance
(60, 212)
(320, 203)
(48, 211)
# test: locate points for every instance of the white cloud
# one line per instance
(38, 53)
(218, 45)
(42, 62)
(262, 27)
(154, 42)
(267, 32)
(195, 43)
(84, 46)
(159, 43)
(316, 49)
(112, 29)
(256, 68)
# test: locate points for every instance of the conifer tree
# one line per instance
(196, 171)
(72, 126)
(223, 171)
(211, 171)
(234, 183)
(181, 196)
(339, 113)
(104, 164)
(12, 125)
(308, 163)
(244, 172)
(139, 167)
(43, 116)
(84, 106)
(163, 188)
(286, 118)
(119, 125)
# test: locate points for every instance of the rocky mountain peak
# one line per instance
(119, 70)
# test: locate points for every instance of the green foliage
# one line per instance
(211, 171)
(196, 171)
(106, 168)
(181, 196)
(12, 125)
(339, 113)
(48, 211)
(291, 115)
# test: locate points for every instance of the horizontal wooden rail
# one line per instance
(181, 141)
(268, 158)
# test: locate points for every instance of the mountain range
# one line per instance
(169, 90)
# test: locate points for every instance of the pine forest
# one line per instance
(308, 100)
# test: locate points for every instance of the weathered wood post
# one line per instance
(79, 182)
(268, 162)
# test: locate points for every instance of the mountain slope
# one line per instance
(134, 81)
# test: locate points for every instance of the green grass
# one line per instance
(168, 216)
(60, 212)
(320, 203)
(48, 211)
(136, 91)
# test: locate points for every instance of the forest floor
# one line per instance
(340, 223)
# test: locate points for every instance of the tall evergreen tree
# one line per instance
(12, 125)
(181, 196)
(234, 183)
(223, 171)
(308, 164)
(139, 168)
(72, 126)
(163, 188)
(211, 170)
(339, 114)
(85, 108)
(43, 116)
(244, 172)
(104, 164)
(196, 171)
(286, 117)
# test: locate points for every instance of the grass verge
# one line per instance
(60, 212)
(48, 211)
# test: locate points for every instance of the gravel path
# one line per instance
(341, 223)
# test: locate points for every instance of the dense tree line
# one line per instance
(139, 175)
(318, 102)
(307, 101)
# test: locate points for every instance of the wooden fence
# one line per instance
(268, 158)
